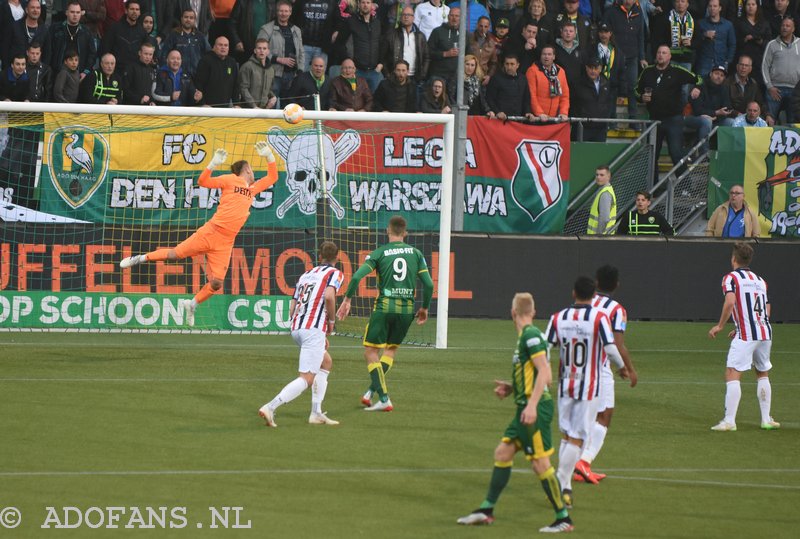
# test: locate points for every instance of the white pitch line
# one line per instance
(384, 471)
(261, 346)
(708, 483)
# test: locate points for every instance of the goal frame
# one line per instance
(446, 188)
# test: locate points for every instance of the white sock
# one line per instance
(764, 393)
(564, 443)
(592, 446)
(733, 394)
(318, 389)
(566, 465)
(290, 392)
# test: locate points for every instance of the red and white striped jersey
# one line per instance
(310, 297)
(615, 312)
(581, 332)
(750, 311)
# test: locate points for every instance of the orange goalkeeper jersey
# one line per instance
(237, 196)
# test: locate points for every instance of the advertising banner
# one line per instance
(766, 162)
(134, 170)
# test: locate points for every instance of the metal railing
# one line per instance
(682, 194)
(632, 170)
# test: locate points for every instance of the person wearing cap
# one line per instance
(501, 9)
(590, 97)
(717, 44)
(624, 19)
(712, 107)
(500, 37)
(613, 63)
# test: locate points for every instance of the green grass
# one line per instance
(170, 420)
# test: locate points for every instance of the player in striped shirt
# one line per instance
(312, 309)
(746, 301)
(215, 238)
(398, 266)
(607, 279)
(583, 335)
(530, 429)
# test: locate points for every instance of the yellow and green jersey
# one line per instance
(530, 344)
(398, 266)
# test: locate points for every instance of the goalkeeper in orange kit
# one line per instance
(215, 238)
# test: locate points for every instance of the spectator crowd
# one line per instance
(692, 63)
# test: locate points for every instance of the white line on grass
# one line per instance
(228, 346)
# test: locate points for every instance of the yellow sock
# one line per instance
(387, 362)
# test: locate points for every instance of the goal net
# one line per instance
(82, 191)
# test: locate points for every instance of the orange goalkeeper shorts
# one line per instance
(213, 242)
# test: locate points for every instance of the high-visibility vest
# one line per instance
(594, 217)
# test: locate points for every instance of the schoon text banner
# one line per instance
(129, 170)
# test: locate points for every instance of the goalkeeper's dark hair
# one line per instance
(584, 288)
(237, 167)
(397, 226)
(607, 278)
(328, 251)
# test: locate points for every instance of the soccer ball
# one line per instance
(293, 113)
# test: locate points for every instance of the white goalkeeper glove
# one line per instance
(263, 149)
(220, 156)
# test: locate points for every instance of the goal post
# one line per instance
(127, 129)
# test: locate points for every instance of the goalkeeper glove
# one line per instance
(220, 156)
(263, 149)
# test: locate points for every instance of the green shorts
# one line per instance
(387, 330)
(535, 440)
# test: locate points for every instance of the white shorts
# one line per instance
(745, 354)
(312, 349)
(576, 417)
(606, 399)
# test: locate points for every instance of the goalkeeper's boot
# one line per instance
(366, 400)
(130, 261)
(477, 517)
(188, 310)
(321, 419)
(267, 415)
(380, 406)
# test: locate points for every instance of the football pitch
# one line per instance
(96, 421)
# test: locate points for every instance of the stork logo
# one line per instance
(536, 185)
(78, 159)
(302, 155)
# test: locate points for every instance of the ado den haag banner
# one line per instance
(766, 161)
(128, 170)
